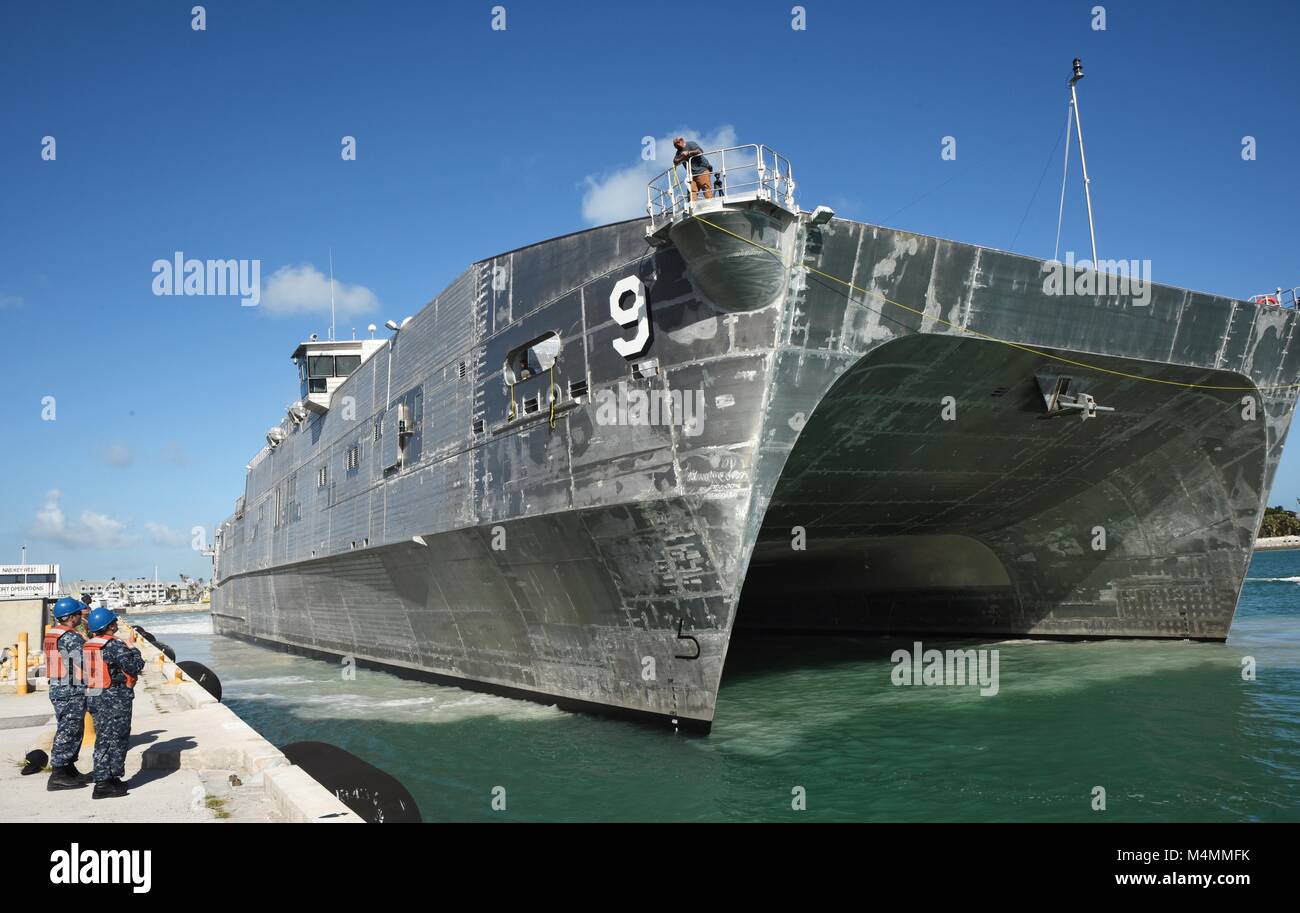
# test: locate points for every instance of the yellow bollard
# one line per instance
(20, 667)
(88, 734)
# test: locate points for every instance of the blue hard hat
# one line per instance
(67, 606)
(99, 619)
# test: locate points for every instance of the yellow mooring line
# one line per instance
(1006, 342)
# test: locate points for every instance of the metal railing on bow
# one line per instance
(1283, 298)
(734, 174)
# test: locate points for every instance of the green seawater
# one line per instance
(1170, 731)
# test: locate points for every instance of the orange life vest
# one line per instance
(55, 670)
(97, 675)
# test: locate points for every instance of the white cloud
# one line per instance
(10, 301)
(174, 453)
(294, 290)
(164, 535)
(118, 454)
(620, 194)
(92, 530)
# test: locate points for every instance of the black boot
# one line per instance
(109, 789)
(65, 777)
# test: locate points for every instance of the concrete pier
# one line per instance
(190, 759)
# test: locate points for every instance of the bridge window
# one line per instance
(316, 370)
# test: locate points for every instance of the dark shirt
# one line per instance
(699, 164)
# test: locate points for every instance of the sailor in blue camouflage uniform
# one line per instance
(63, 666)
(112, 667)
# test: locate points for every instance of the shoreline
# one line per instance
(1277, 543)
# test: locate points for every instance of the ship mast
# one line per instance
(1087, 189)
(332, 284)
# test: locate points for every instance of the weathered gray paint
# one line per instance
(822, 411)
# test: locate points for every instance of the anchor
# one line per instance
(1062, 396)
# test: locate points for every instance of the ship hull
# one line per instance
(865, 458)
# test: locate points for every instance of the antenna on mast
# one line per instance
(332, 284)
(1087, 188)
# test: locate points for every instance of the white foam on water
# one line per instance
(1273, 579)
(313, 689)
(197, 626)
(437, 704)
(273, 680)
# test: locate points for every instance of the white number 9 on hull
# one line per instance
(626, 316)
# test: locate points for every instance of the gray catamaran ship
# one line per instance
(580, 469)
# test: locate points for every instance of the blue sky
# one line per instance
(225, 143)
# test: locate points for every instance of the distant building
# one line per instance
(139, 591)
(29, 581)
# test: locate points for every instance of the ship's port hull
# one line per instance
(543, 618)
(420, 673)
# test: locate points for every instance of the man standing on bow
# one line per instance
(701, 169)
